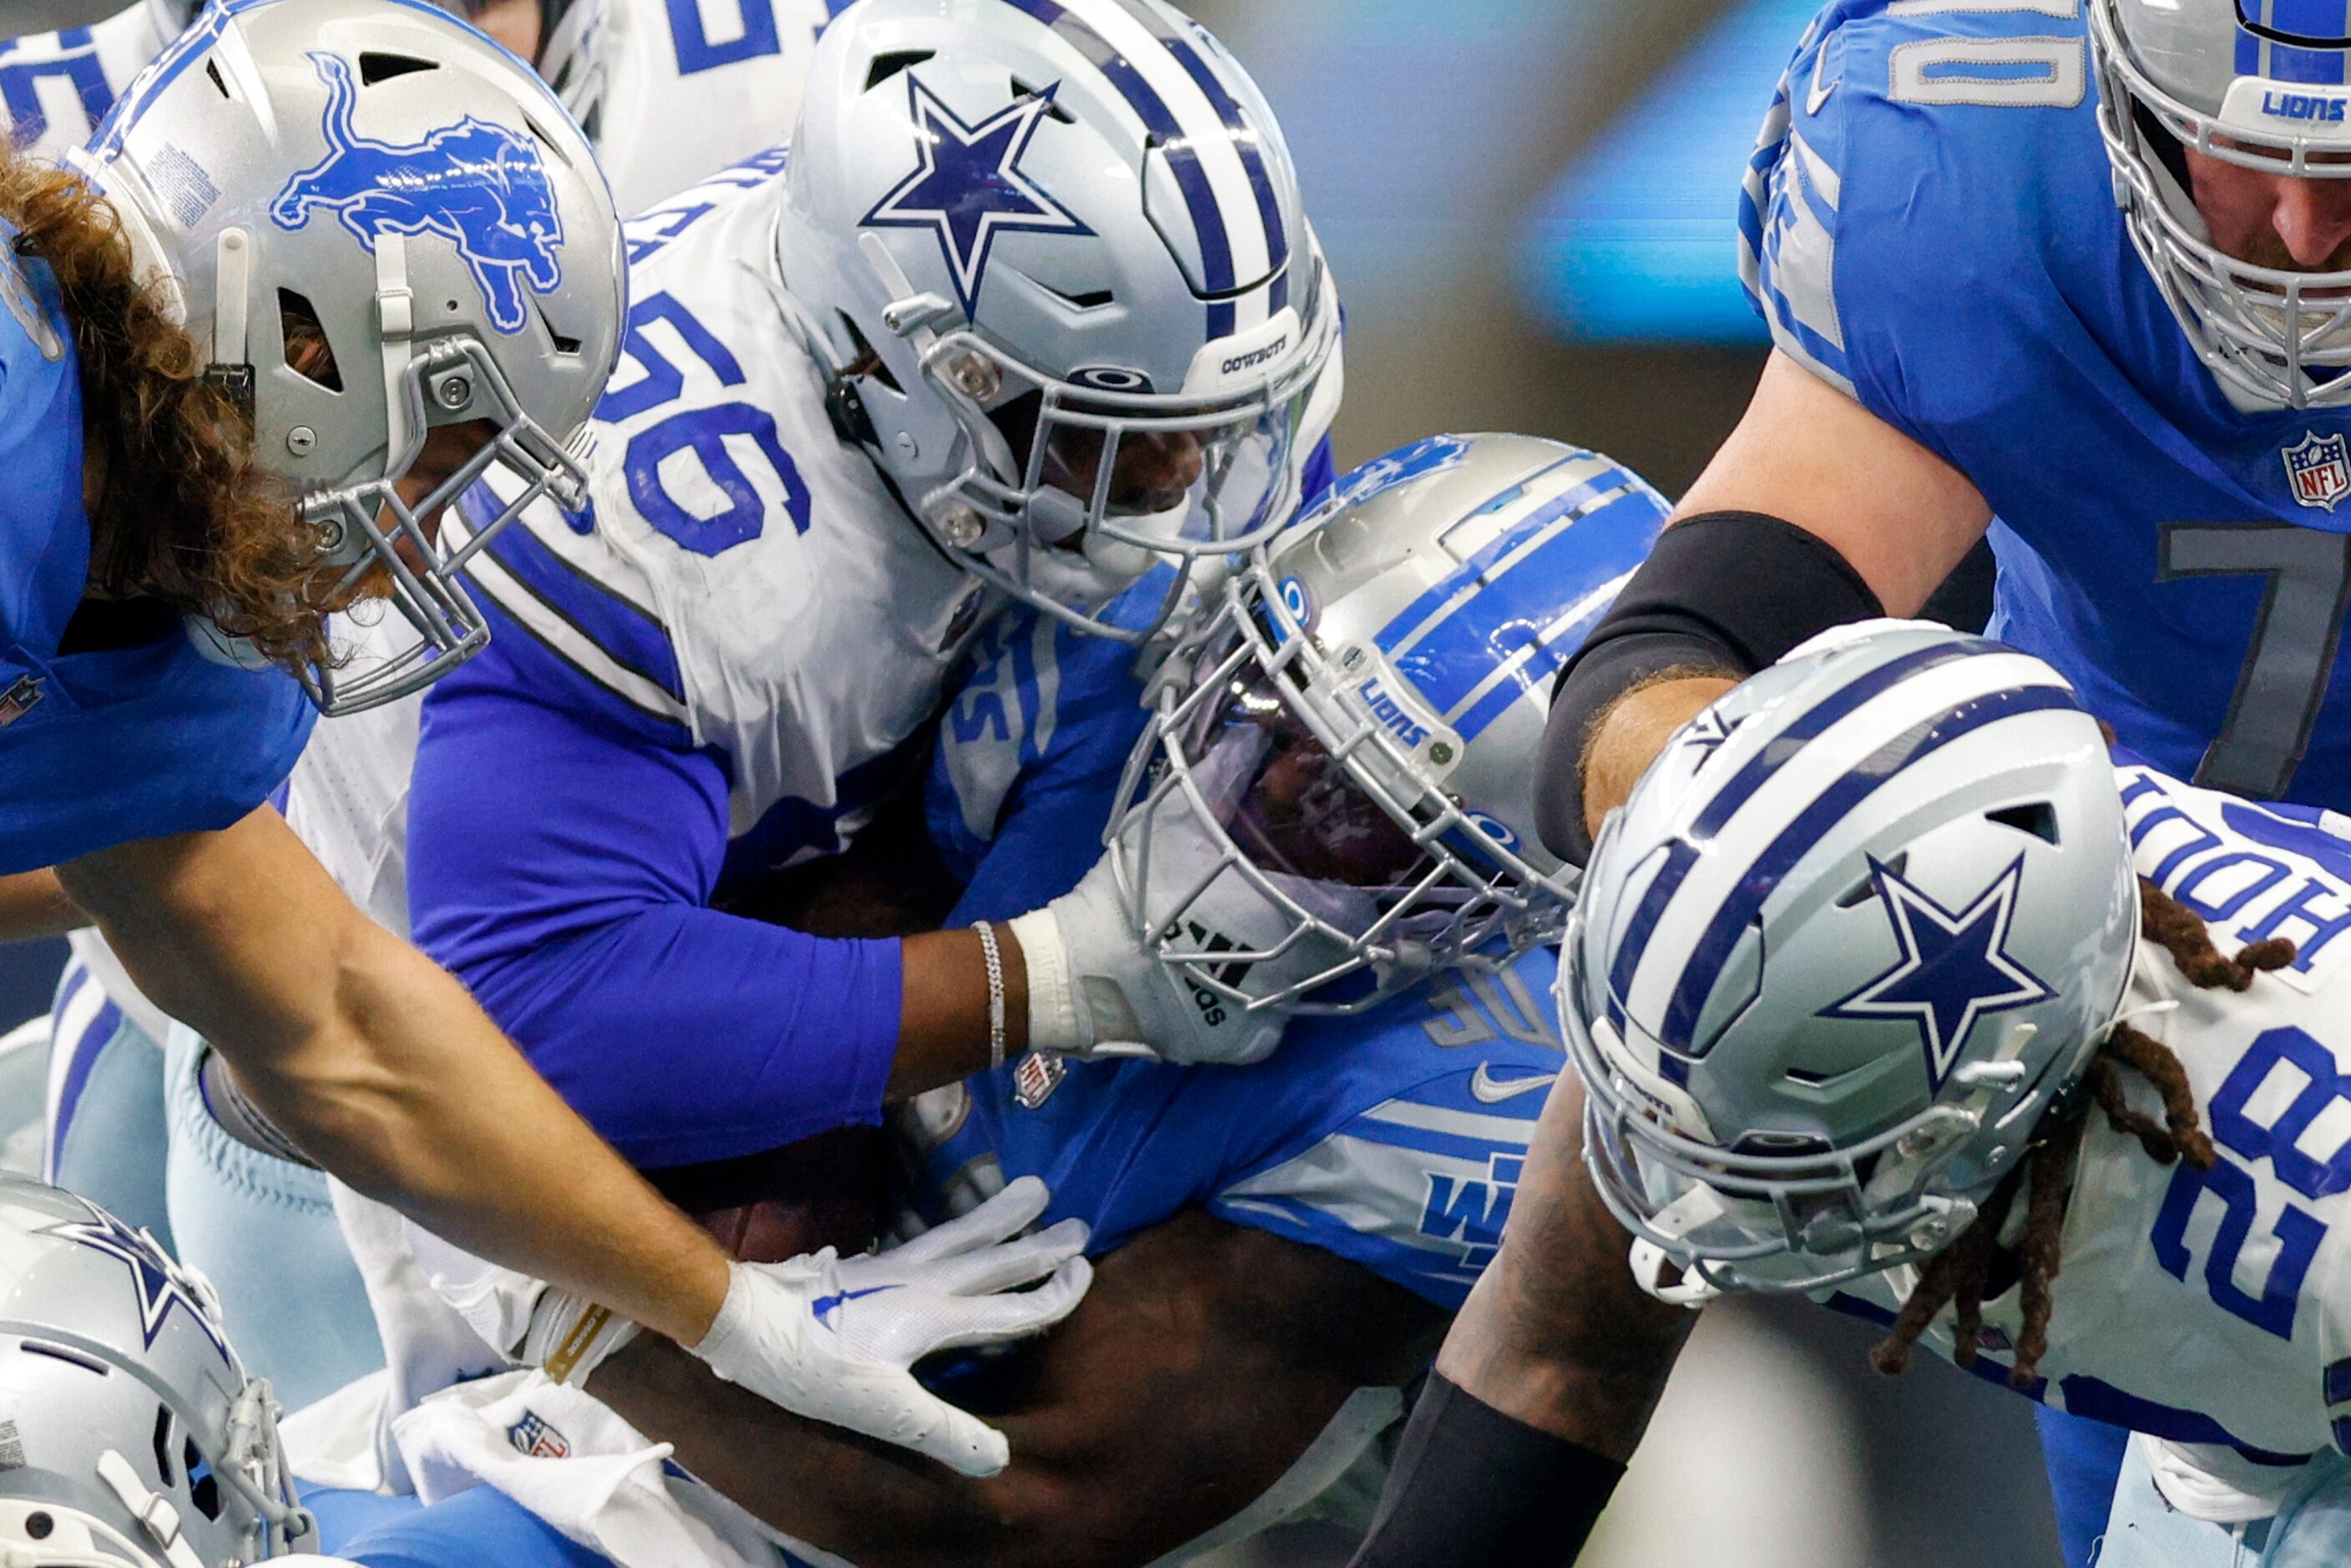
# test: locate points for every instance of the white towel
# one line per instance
(570, 1460)
(427, 1346)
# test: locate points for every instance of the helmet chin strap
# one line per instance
(1648, 1260)
(395, 308)
(152, 1510)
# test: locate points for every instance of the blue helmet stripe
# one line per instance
(2321, 21)
(1212, 88)
(1208, 217)
(1552, 647)
(1815, 821)
(1519, 606)
(1684, 854)
(1456, 587)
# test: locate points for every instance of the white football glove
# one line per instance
(827, 1337)
(1095, 987)
(834, 1338)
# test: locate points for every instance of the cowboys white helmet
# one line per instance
(1858, 927)
(130, 1435)
(1054, 256)
(1342, 761)
(2248, 82)
(379, 173)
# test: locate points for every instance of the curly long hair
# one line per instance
(179, 510)
(1957, 1274)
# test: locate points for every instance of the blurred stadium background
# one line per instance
(1529, 206)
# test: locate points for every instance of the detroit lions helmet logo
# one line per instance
(481, 186)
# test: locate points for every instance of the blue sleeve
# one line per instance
(1910, 158)
(1789, 208)
(1401, 1130)
(1321, 473)
(137, 743)
(559, 861)
(1031, 754)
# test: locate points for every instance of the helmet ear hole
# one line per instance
(204, 1488)
(308, 353)
(375, 67)
(884, 66)
(2038, 818)
(163, 1444)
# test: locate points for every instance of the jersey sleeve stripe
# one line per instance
(550, 628)
(1470, 1124)
(627, 633)
(1787, 251)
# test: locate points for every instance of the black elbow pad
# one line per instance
(1723, 591)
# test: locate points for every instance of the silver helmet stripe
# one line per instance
(1677, 970)
(1228, 220)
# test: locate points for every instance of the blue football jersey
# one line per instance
(1929, 223)
(1393, 1139)
(102, 746)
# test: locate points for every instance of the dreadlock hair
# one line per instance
(179, 511)
(1957, 1274)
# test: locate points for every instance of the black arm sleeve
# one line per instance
(1727, 591)
(1473, 1487)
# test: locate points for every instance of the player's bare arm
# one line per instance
(32, 903)
(1556, 1333)
(1205, 1360)
(1807, 453)
(363, 1052)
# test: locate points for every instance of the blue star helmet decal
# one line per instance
(1953, 968)
(156, 1283)
(968, 187)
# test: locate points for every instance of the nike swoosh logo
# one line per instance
(1820, 90)
(825, 1306)
(1488, 1089)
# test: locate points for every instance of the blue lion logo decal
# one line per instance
(482, 186)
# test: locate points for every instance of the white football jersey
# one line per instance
(671, 92)
(2209, 1307)
(55, 87)
(741, 574)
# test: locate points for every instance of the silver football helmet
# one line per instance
(2234, 79)
(376, 173)
(1350, 742)
(1055, 260)
(130, 1435)
(1859, 927)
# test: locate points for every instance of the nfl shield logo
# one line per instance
(534, 1435)
(19, 700)
(2319, 469)
(1034, 1081)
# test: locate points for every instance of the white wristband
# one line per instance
(1054, 1021)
